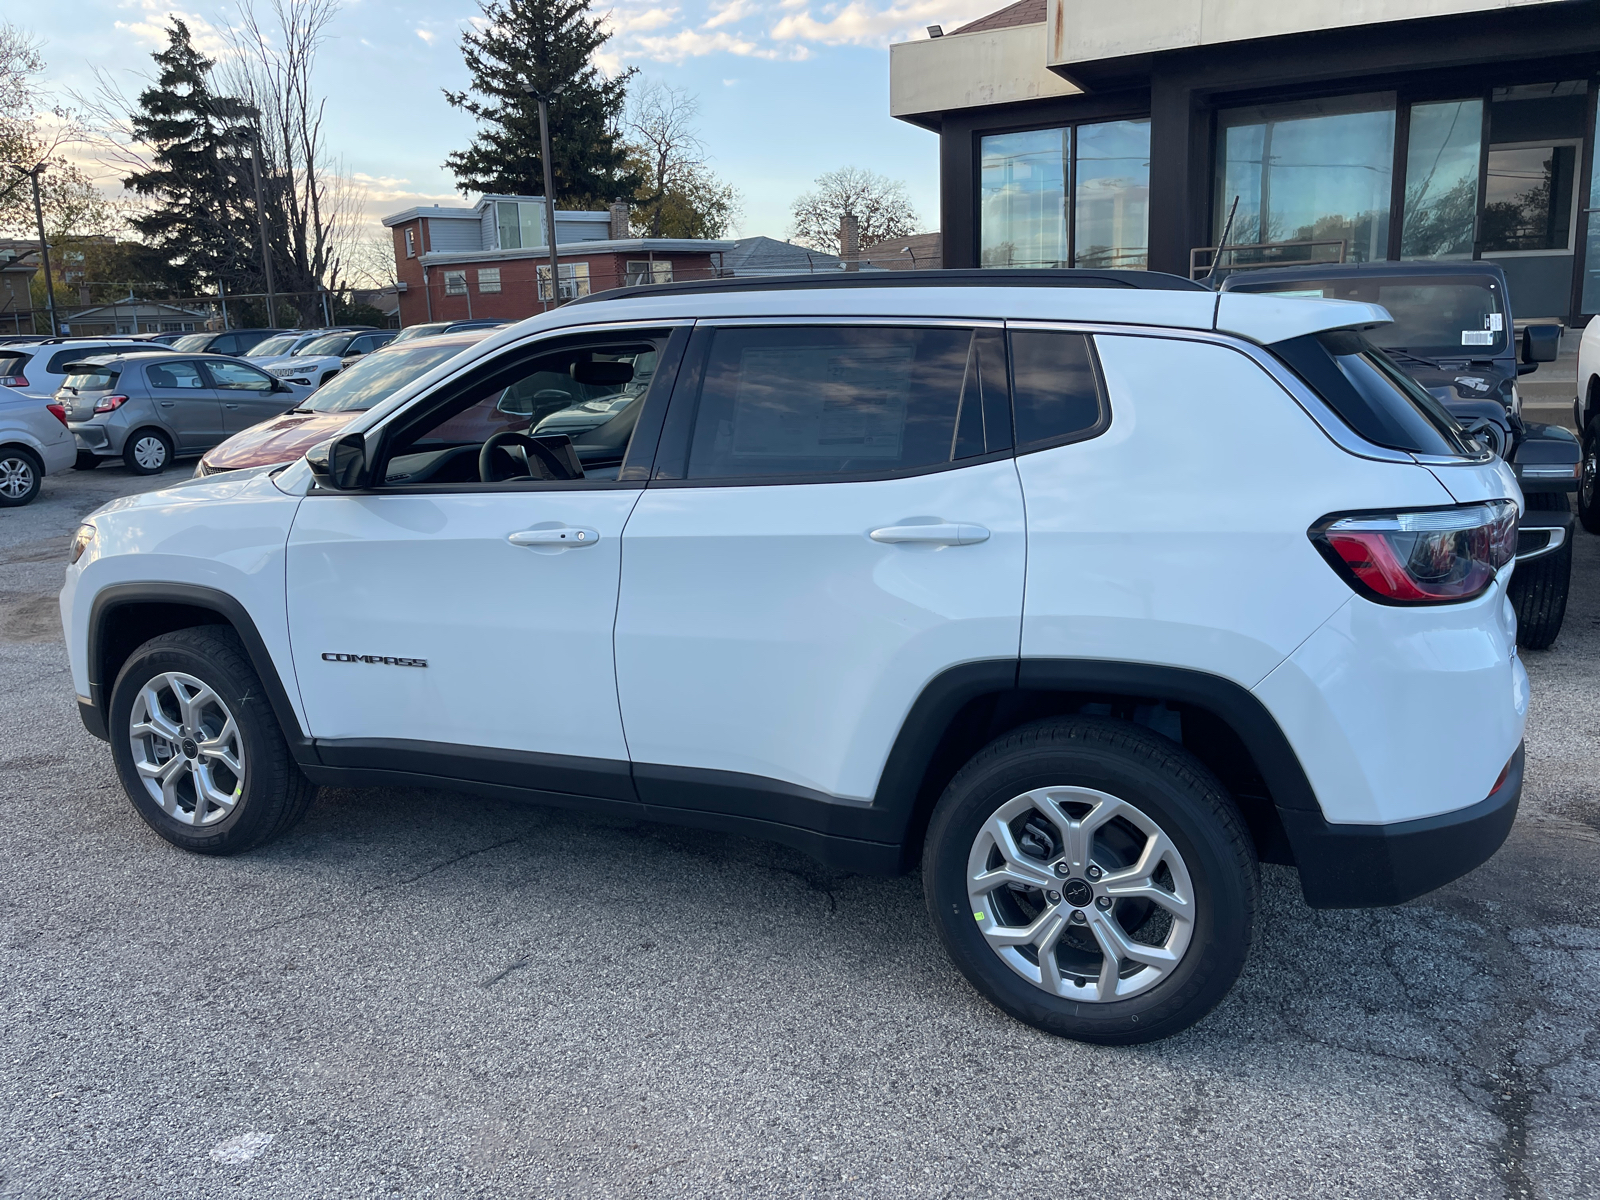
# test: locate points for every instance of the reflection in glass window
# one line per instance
(1442, 154)
(1023, 207)
(505, 212)
(1591, 268)
(1112, 195)
(1313, 170)
(1528, 200)
(1025, 210)
(574, 281)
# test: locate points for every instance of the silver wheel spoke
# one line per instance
(159, 747)
(1047, 923)
(1138, 881)
(1115, 942)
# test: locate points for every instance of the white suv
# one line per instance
(1085, 598)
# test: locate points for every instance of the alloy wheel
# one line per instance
(150, 453)
(16, 477)
(1591, 468)
(187, 749)
(1081, 893)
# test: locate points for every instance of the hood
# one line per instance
(282, 439)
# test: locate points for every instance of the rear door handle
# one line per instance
(230, 406)
(168, 403)
(932, 535)
(565, 536)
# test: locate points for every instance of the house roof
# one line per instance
(1023, 12)
(133, 306)
(433, 212)
(927, 253)
(438, 258)
(769, 256)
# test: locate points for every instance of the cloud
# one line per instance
(859, 23)
(151, 28)
(726, 12)
(639, 20)
(691, 43)
(427, 35)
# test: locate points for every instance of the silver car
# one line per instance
(153, 407)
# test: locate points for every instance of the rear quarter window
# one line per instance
(95, 379)
(1056, 393)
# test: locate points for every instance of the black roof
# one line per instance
(967, 277)
(1393, 270)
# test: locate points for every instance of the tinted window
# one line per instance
(13, 361)
(375, 378)
(1371, 394)
(171, 376)
(836, 401)
(1056, 391)
(238, 377)
(228, 343)
(1449, 316)
(59, 360)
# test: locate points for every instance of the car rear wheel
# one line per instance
(1589, 479)
(20, 477)
(197, 745)
(147, 452)
(1092, 879)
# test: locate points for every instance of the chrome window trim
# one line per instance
(1313, 405)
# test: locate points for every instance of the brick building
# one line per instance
(493, 259)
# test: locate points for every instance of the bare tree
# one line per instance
(881, 207)
(681, 196)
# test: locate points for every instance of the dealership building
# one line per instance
(1087, 134)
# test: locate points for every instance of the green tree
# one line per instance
(200, 216)
(549, 44)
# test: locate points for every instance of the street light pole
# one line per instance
(261, 216)
(544, 98)
(44, 246)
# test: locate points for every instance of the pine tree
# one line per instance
(546, 43)
(202, 220)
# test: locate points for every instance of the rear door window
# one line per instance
(835, 402)
(175, 377)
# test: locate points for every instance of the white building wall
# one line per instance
(969, 70)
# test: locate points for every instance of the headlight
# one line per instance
(80, 542)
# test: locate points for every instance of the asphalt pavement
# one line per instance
(421, 994)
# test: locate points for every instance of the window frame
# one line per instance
(1574, 212)
(672, 454)
(642, 448)
(491, 285)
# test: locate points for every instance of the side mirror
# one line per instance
(1540, 343)
(339, 464)
(279, 385)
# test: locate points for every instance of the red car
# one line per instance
(338, 402)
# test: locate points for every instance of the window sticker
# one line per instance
(1477, 337)
(1495, 321)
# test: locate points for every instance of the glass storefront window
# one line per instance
(1023, 205)
(1442, 156)
(1528, 200)
(1045, 204)
(1313, 170)
(1111, 222)
(1590, 302)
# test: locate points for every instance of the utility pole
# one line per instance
(261, 216)
(33, 173)
(544, 97)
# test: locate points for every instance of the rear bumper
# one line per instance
(1368, 866)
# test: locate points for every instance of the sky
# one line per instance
(788, 88)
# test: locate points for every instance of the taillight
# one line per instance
(1435, 556)
(58, 412)
(13, 381)
(110, 404)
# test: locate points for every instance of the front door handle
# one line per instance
(168, 403)
(230, 406)
(564, 536)
(932, 535)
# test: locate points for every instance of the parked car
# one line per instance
(960, 571)
(319, 361)
(369, 382)
(1586, 416)
(283, 346)
(34, 442)
(36, 369)
(153, 407)
(224, 341)
(1454, 332)
(434, 328)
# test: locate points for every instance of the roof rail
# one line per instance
(1073, 277)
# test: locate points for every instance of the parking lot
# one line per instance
(424, 994)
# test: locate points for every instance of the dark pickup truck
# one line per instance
(1453, 332)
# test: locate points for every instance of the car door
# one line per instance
(835, 520)
(463, 626)
(185, 402)
(249, 395)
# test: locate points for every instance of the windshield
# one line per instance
(1448, 316)
(190, 342)
(416, 331)
(333, 343)
(281, 344)
(378, 376)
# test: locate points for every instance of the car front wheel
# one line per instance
(1092, 879)
(197, 745)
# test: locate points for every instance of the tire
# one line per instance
(21, 476)
(147, 451)
(85, 461)
(324, 380)
(1120, 771)
(1589, 480)
(205, 671)
(1539, 594)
